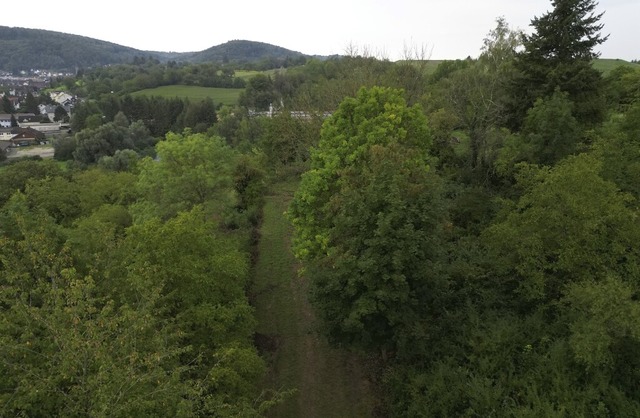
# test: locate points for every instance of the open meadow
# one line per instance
(607, 64)
(223, 96)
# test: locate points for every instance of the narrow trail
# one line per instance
(329, 382)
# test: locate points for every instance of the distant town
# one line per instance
(30, 113)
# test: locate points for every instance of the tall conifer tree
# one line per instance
(558, 56)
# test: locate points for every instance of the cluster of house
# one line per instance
(25, 129)
(20, 137)
(29, 83)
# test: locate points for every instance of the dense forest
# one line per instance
(471, 230)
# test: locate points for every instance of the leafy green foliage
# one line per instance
(15, 176)
(550, 131)
(570, 226)
(367, 219)
(105, 140)
(473, 96)
(287, 140)
(157, 115)
(106, 312)
(486, 272)
(191, 169)
(622, 86)
(7, 106)
(66, 348)
(259, 94)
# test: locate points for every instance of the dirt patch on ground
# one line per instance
(43, 152)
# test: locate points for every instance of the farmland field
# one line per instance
(218, 95)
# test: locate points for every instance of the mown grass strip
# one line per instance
(329, 382)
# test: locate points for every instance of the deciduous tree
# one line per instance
(368, 220)
(192, 169)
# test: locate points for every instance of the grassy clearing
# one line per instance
(218, 95)
(329, 382)
(606, 65)
(429, 66)
(44, 151)
(247, 74)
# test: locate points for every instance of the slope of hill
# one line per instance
(243, 51)
(607, 64)
(23, 49)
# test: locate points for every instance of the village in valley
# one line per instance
(31, 114)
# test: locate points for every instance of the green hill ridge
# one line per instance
(24, 49)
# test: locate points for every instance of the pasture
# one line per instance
(223, 96)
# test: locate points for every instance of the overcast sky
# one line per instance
(449, 29)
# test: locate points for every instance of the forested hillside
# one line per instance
(24, 49)
(243, 52)
(466, 236)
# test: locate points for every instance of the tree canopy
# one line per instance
(367, 214)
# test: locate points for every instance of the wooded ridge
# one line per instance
(24, 49)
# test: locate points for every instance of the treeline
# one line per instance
(123, 288)
(320, 85)
(104, 127)
(160, 115)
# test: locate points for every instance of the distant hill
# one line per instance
(23, 49)
(243, 51)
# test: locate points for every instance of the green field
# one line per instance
(247, 74)
(218, 95)
(607, 64)
(429, 66)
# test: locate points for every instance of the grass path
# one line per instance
(328, 382)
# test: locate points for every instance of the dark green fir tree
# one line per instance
(558, 55)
